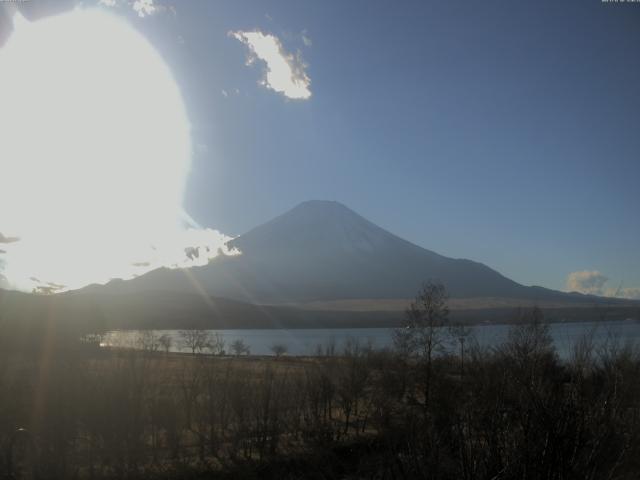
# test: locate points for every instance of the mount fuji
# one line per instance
(323, 251)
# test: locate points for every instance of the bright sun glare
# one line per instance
(95, 152)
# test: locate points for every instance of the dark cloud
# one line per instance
(45, 290)
(192, 252)
(4, 239)
(141, 264)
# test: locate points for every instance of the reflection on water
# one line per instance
(308, 341)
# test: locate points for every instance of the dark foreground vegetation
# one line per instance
(75, 411)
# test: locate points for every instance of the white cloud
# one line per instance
(44, 265)
(306, 39)
(143, 8)
(593, 283)
(588, 282)
(285, 73)
(632, 293)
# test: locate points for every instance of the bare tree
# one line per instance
(328, 349)
(216, 344)
(238, 347)
(530, 337)
(195, 340)
(148, 341)
(424, 333)
(279, 349)
(166, 342)
(460, 332)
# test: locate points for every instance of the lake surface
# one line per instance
(307, 341)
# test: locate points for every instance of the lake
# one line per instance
(307, 341)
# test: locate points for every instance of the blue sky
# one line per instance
(505, 132)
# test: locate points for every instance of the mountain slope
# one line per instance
(322, 250)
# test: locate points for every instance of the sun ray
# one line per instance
(96, 151)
